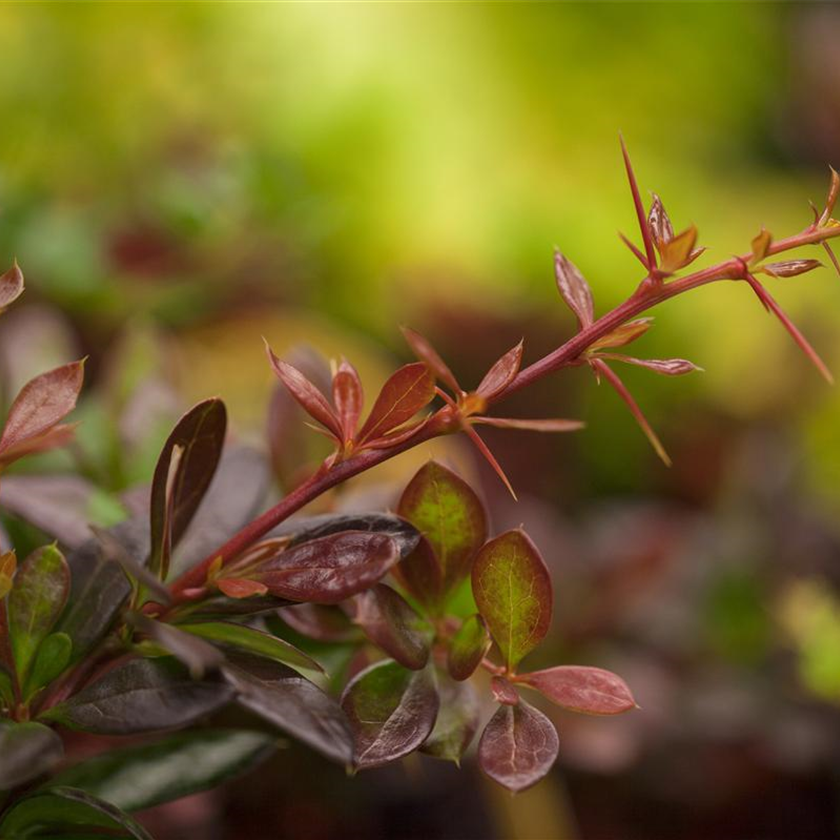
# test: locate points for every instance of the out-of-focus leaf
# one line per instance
(504, 692)
(241, 587)
(760, 245)
(322, 623)
(501, 374)
(35, 603)
(790, 268)
(468, 647)
(143, 776)
(659, 223)
(64, 812)
(623, 335)
(313, 402)
(348, 396)
(833, 193)
(197, 654)
(391, 623)
(518, 746)
(8, 565)
(251, 640)
(179, 483)
(457, 720)
(39, 406)
(141, 695)
(667, 367)
(446, 510)
(283, 697)
(329, 569)
(11, 286)
(391, 710)
(574, 289)
(407, 390)
(513, 591)
(422, 348)
(26, 751)
(548, 425)
(52, 658)
(421, 575)
(592, 691)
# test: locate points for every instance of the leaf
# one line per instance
(457, 720)
(640, 210)
(241, 587)
(468, 647)
(310, 399)
(577, 688)
(574, 289)
(140, 777)
(501, 374)
(292, 703)
(180, 481)
(197, 654)
(141, 695)
(790, 268)
(667, 367)
(623, 335)
(518, 746)
(391, 623)
(422, 348)
(659, 224)
(52, 658)
(64, 808)
(760, 245)
(513, 591)
(680, 251)
(329, 569)
(348, 397)
(11, 286)
(421, 575)
(8, 565)
(408, 390)
(27, 750)
(504, 692)
(253, 641)
(41, 403)
(53, 438)
(831, 199)
(324, 624)
(391, 710)
(549, 425)
(35, 603)
(446, 510)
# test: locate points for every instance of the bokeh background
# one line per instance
(177, 180)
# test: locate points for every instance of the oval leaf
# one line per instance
(52, 658)
(457, 720)
(518, 746)
(659, 224)
(574, 289)
(348, 397)
(468, 647)
(513, 591)
(503, 691)
(421, 574)
(141, 695)
(790, 268)
(11, 286)
(446, 510)
(407, 391)
(27, 750)
(592, 691)
(391, 710)
(501, 374)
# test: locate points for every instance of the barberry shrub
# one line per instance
(128, 632)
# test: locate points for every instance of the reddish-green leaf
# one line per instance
(182, 476)
(468, 647)
(240, 587)
(422, 348)
(407, 391)
(592, 691)
(518, 746)
(790, 268)
(512, 588)
(40, 405)
(391, 710)
(391, 623)
(11, 286)
(307, 395)
(457, 720)
(659, 224)
(329, 569)
(348, 397)
(623, 335)
(446, 510)
(574, 289)
(504, 692)
(549, 425)
(422, 575)
(501, 374)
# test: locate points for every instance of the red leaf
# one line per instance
(422, 348)
(51, 439)
(790, 268)
(11, 286)
(501, 374)
(307, 395)
(518, 747)
(241, 587)
(41, 404)
(550, 425)
(348, 397)
(504, 692)
(398, 437)
(659, 224)
(325, 624)
(640, 210)
(592, 691)
(407, 391)
(667, 367)
(602, 368)
(574, 289)
(623, 335)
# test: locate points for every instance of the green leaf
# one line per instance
(7, 694)
(468, 647)
(141, 695)
(391, 710)
(27, 750)
(44, 813)
(35, 603)
(52, 658)
(445, 509)
(512, 588)
(457, 720)
(253, 641)
(151, 774)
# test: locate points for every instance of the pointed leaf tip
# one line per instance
(574, 289)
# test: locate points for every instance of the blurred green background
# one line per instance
(179, 179)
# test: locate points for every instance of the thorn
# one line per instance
(831, 256)
(640, 209)
(636, 252)
(488, 455)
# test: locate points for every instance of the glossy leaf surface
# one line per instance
(501, 374)
(407, 391)
(592, 691)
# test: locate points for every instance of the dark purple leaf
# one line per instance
(408, 390)
(468, 647)
(574, 289)
(592, 691)
(198, 655)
